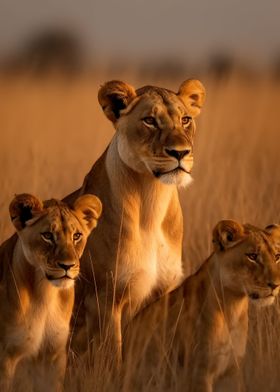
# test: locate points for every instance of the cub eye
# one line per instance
(77, 236)
(150, 121)
(277, 257)
(186, 120)
(252, 256)
(47, 236)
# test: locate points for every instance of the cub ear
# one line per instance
(23, 208)
(89, 208)
(192, 93)
(274, 232)
(226, 233)
(114, 96)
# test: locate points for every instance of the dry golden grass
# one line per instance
(52, 131)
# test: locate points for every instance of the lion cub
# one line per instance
(200, 329)
(38, 267)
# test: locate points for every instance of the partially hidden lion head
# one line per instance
(249, 259)
(53, 235)
(155, 127)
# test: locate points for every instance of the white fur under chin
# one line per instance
(266, 301)
(63, 283)
(181, 180)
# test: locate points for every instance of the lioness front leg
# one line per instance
(200, 377)
(200, 381)
(109, 346)
(7, 370)
(114, 335)
(232, 381)
(49, 371)
(103, 335)
(204, 385)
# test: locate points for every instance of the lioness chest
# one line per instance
(150, 263)
(41, 325)
(230, 344)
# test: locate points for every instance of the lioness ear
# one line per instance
(274, 233)
(226, 233)
(192, 93)
(89, 208)
(115, 96)
(23, 208)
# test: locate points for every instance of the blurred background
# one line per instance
(155, 37)
(55, 54)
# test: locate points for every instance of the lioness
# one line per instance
(138, 242)
(199, 331)
(38, 266)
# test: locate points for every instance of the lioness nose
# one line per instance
(273, 285)
(66, 265)
(177, 153)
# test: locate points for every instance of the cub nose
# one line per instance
(177, 153)
(273, 285)
(66, 265)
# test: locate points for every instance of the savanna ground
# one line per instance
(53, 130)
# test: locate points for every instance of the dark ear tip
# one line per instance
(26, 200)
(115, 96)
(272, 226)
(225, 232)
(116, 87)
(273, 230)
(22, 209)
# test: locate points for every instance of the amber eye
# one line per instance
(77, 236)
(277, 257)
(186, 120)
(47, 236)
(252, 256)
(150, 121)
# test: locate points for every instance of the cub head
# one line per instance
(155, 127)
(249, 259)
(53, 235)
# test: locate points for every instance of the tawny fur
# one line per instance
(200, 329)
(137, 247)
(38, 266)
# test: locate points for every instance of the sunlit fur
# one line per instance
(180, 179)
(135, 254)
(200, 329)
(143, 147)
(38, 267)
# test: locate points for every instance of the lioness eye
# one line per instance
(47, 236)
(277, 257)
(186, 120)
(77, 236)
(150, 121)
(252, 256)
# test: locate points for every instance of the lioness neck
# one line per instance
(208, 281)
(146, 199)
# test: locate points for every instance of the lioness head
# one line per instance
(249, 259)
(53, 235)
(155, 127)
